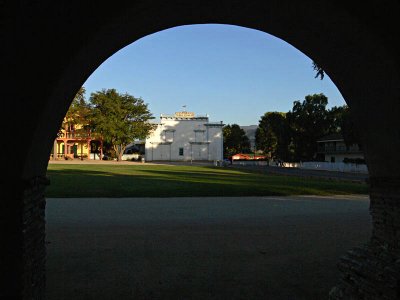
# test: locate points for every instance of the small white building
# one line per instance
(332, 148)
(185, 137)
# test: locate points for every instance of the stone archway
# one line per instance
(51, 48)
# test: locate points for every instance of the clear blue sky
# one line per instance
(232, 73)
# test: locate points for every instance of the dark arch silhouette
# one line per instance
(50, 49)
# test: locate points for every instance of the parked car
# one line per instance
(132, 156)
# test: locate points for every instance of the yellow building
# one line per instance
(73, 141)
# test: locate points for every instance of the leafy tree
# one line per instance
(235, 140)
(308, 121)
(119, 118)
(294, 135)
(340, 117)
(273, 135)
(349, 130)
(77, 114)
(335, 118)
(341, 121)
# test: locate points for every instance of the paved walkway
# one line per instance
(200, 248)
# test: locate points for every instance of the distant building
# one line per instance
(185, 137)
(332, 148)
(241, 156)
(72, 141)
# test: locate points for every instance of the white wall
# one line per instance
(339, 157)
(199, 139)
(216, 139)
(313, 165)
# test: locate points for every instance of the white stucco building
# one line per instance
(185, 137)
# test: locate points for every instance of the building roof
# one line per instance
(184, 115)
(331, 138)
(249, 156)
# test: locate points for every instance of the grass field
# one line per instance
(178, 181)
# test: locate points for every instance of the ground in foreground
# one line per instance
(200, 248)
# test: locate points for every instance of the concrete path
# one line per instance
(200, 248)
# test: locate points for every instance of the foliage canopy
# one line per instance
(119, 118)
(235, 140)
(293, 136)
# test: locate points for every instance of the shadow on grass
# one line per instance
(153, 181)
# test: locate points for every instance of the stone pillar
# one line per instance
(23, 258)
(372, 271)
(55, 149)
(65, 149)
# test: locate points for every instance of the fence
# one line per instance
(250, 162)
(312, 165)
(336, 166)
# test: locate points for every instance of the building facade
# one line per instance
(332, 148)
(185, 137)
(72, 142)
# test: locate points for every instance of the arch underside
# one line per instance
(58, 46)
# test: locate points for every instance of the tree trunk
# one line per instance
(119, 150)
(101, 148)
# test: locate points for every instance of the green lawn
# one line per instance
(175, 181)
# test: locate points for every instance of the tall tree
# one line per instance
(309, 121)
(77, 114)
(340, 117)
(273, 135)
(341, 121)
(119, 118)
(349, 130)
(235, 140)
(336, 118)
